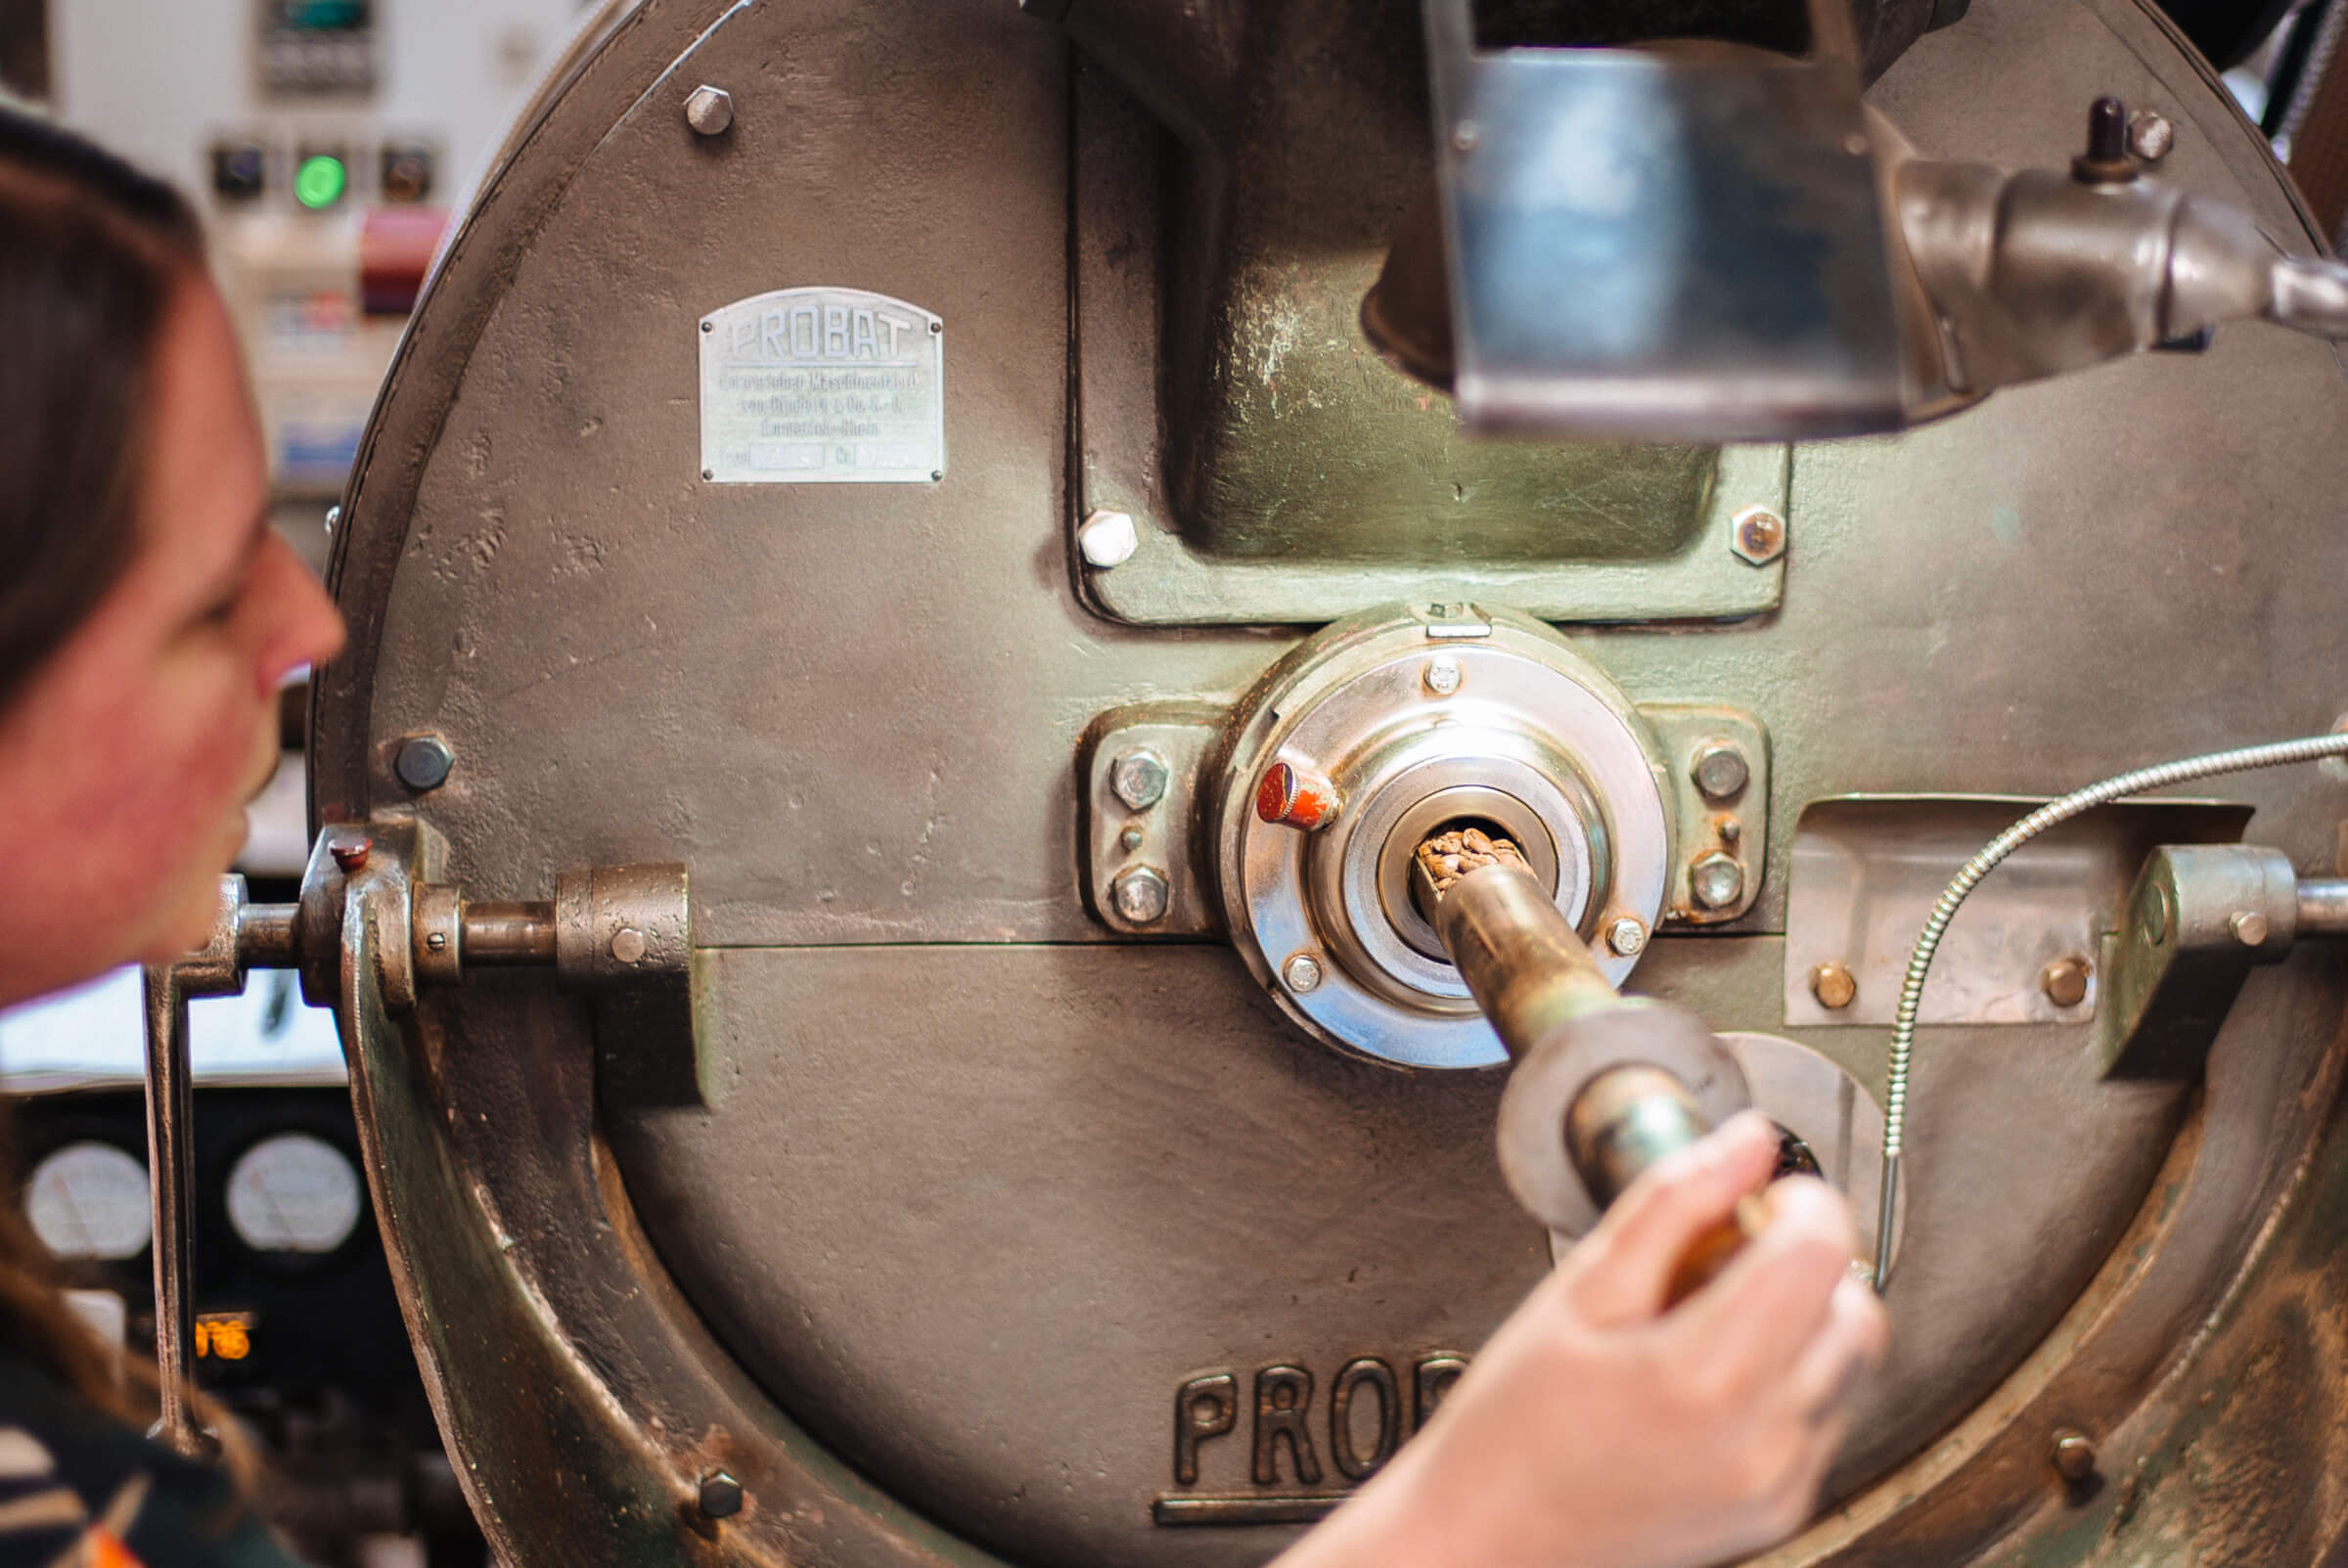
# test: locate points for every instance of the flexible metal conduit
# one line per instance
(2245, 759)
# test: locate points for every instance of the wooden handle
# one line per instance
(1712, 1251)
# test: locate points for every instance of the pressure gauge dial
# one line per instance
(292, 1192)
(90, 1200)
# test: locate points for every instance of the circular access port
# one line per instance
(1546, 753)
(1496, 815)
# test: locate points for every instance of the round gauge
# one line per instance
(90, 1200)
(291, 1193)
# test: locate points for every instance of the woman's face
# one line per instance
(126, 762)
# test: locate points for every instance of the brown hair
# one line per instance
(91, 254)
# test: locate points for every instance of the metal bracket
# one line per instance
(1138, 770)
(1865, 872)
(624, 932)
(2198, 919)
(1661, 242)
(1716, 760)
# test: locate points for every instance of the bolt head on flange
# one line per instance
(1627, 937)
(1715, 881)
(1141, 895)
(1139, 777)
(709, 111)
(1758, 535)
(1720, 770)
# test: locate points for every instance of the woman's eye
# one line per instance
(224, 609)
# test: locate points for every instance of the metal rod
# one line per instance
(1625, 1120)
(1527, 968)
(509, 933)
(265, 935)
(171, 1167)
(2323, 905)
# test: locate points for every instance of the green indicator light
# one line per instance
(320, 181)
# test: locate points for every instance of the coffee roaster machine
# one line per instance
(922, 570)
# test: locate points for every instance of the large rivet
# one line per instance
(422, 762)
(720, 1495)
(350, 852)
(2249, 928)
(2074, 1455)
(1834, 986)
(2151, 135)
(2064, 981)
(709, 111)
(628, 945)
(1107, 539)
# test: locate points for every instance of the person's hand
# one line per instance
(1599, 1429)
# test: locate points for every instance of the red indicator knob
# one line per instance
(1295, 799)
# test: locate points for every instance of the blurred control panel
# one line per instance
(326, 141)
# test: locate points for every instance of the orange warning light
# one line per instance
(225, 1335)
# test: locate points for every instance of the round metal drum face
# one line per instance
(959, 1209)
(1522, 737)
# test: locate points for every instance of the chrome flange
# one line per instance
(1389, 727)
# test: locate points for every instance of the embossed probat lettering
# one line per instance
(808, 332)
(1365, 1423)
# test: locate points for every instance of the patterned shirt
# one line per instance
(79, 1490)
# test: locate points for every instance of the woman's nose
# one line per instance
(302, 624)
